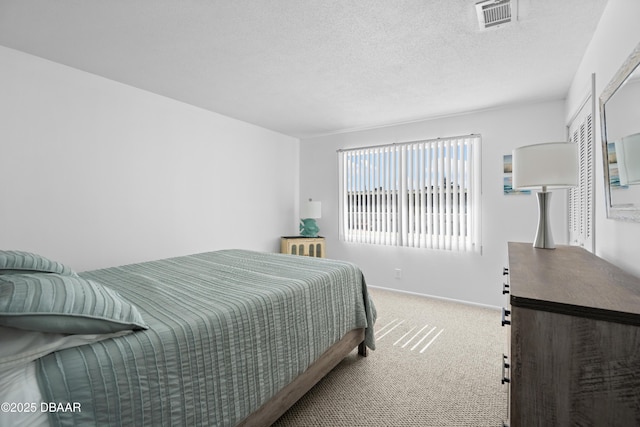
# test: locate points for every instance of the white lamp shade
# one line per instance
(551, 165)
(311, 209)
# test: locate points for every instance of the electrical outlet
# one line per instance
(398, 273)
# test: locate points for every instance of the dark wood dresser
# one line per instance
(574, 339)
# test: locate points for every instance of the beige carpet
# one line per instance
(437, 363)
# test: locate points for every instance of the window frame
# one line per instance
(397, 194)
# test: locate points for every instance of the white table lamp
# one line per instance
(309, 212)
(547, 166)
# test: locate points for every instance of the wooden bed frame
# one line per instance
(274, 408)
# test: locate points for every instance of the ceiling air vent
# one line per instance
(492, 13)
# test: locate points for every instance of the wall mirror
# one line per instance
(620, 125)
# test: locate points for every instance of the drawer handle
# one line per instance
(505, 313)
(505, 288)
(505, 271)
(505, 366)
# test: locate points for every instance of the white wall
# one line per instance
(618, 33)
(468, 277)
(95, 173)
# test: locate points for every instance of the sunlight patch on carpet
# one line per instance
(404, 336)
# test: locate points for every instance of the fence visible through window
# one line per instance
(422, 194)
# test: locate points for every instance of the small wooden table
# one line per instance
(300, 245)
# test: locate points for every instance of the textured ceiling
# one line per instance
(311, 67)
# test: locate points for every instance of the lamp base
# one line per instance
(544, 239)
(308, 227)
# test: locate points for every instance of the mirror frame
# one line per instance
(632, 62)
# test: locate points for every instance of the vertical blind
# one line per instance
(423, 194)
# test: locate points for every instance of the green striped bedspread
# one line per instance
(228, 329)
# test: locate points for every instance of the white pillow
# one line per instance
(20, 386)
(18, 351)
(19, 347)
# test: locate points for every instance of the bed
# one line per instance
(223, 338)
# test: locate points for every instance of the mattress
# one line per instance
(227, 330)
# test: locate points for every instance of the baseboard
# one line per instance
(475, 304)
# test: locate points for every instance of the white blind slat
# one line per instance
(456, 200)
(441, 205)
(423, 200)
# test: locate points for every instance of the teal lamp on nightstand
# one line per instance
(309, 212)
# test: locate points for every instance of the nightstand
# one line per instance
(300, 245)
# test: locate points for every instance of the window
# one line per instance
(423, 194)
